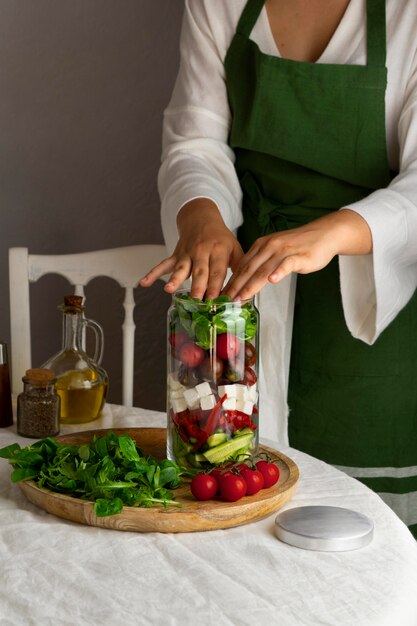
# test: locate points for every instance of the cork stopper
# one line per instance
(75, 302)
(39, 375)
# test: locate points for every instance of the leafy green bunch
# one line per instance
(204, 319)
(110, 470)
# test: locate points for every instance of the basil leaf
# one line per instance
(202, 330)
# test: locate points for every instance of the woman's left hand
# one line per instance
(303, 250)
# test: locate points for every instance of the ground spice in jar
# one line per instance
(38, 406)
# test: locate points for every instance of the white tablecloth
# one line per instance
(55, 572)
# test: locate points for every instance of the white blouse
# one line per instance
(197, 162)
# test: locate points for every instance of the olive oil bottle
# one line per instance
(81, 382)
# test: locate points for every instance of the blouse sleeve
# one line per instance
(376, 288)
(196, 159)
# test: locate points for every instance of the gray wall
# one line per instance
(83, 85)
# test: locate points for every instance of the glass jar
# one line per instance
(81, 382)
(38, 406)
(212, 395)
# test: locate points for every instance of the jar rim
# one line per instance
(39, 376)
(39, 383)
(180, 292)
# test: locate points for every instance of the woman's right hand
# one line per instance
(205, 250)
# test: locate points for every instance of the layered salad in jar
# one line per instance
(212, 390)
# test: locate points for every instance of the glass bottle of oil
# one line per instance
(81, 382)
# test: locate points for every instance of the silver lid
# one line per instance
(327, 528)
(3, 353)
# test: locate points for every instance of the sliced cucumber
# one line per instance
(225, 450)
(216, 439)
(243, 431)
(242, 454)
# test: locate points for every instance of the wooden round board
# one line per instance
(191, 516)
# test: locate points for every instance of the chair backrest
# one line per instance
(125, 265)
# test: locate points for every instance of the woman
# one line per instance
(295, 122)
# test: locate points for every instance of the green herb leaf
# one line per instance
(104, 507)
(22, 474)
(128, 448)
(9, 451)
(84, 452)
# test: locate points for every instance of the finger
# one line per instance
(289, 265)
(181, 272)
(217, 274)
(255, 282)
(199, 277)
(244, 273)
(164, 267)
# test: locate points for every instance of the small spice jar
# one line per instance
(38, 407)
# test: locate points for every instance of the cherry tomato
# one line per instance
(188, 376)
(212, 369)
(269, 471)
(217, 474)
(177, 339)
(190, 354)
(203, 486)
(227, 346)
(254, 480)
(249, 377)
(250, 353)
(232, 487)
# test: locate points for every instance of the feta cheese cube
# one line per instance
(239, 405)
(229, 404)
(245, 406)
(207, 402)
(241, 392)
(203, 389)
(191, 397)
(173, 383)
(179, 405)
(230, 390)
(253, 394)
(176, 393)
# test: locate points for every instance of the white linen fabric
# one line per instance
(197, 162)
(58, 572)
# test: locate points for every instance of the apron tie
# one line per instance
(270, 216)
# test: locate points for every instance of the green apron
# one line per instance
(309, 138)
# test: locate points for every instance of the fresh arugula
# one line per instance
(204, 319)
(110, 470)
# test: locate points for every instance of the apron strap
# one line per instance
(249, 17)
(376, 33)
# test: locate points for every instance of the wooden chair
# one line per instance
(125, 265)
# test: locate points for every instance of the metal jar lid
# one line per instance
(327, 528)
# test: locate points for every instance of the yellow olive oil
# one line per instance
(82, 396)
